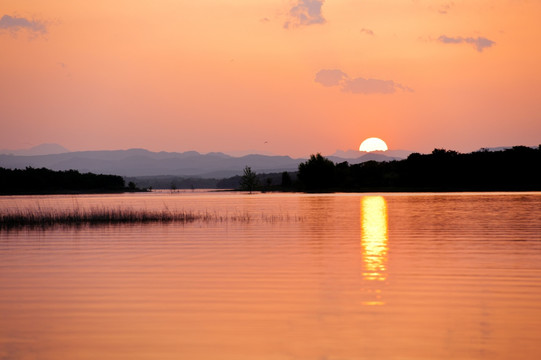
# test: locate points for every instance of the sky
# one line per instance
(287, 77)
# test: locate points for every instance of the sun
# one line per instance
(373, 144)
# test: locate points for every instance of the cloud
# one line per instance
(330, 77)
(372, 86)
(305, 12)
(335, 77)
(480, 43)
(367, 31)
(444, 9)
(15, 24)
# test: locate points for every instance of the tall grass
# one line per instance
(95, 216)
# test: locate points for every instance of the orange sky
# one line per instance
(290, 77)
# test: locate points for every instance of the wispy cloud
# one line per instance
(367, 32)
(305, 12)
(480, 43)
(444, 9)
(335, 77)
(15, 24)
(330, 77)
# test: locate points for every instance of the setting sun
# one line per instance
(373, 144)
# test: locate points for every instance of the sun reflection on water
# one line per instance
(374, 238)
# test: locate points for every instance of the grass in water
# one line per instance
(97, 216)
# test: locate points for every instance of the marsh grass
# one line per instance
(44, 218)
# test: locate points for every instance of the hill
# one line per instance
(141, 162)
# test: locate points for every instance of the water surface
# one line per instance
(333, 276)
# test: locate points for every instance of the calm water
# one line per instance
(334, 277)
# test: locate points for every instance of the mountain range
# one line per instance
(141, 162)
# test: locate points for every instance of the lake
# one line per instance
(277, 276)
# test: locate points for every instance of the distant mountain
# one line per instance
(141, 162)
(371, 156)
(239, 153)
(355, 154)
(43, 149)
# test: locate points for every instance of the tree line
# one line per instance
(517, 168)
(514, 169)
(45, 181)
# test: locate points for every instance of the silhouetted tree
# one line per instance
(248, 180)
(317, 173)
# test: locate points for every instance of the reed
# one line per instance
(95, 216)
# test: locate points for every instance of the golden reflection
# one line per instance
(374, 237)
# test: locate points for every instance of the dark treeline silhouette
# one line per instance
(45, 181)
(172, 182)
(518, 168)
(284, 181)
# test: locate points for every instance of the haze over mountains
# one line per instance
(141, 162)
(42, 149)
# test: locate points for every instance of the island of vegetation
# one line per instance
(514, 169)
(45, 181)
